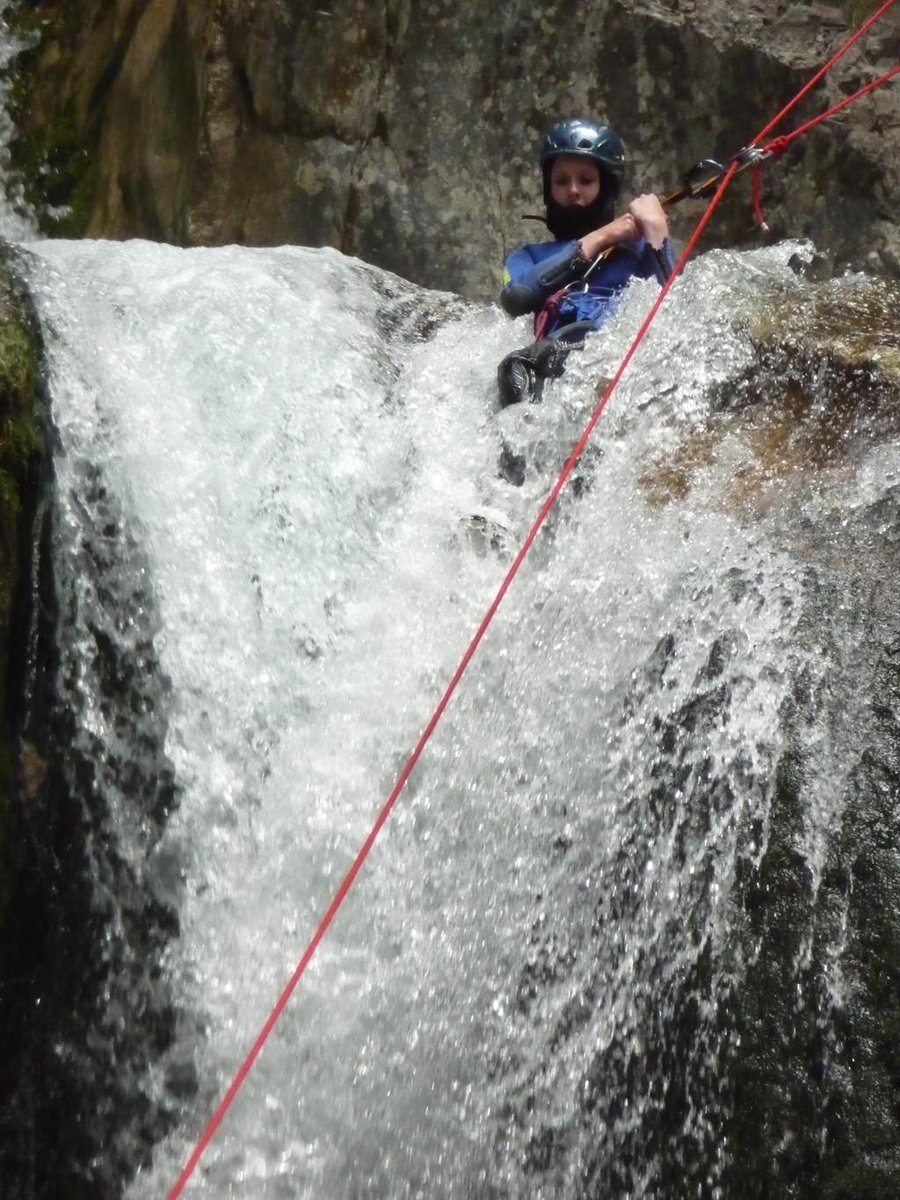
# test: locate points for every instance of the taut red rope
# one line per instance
(778, 145)
(383, 815)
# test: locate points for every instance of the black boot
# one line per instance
(521, 374)
(516, 380)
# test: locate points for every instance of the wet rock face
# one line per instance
(757, 1054)
(811, 1075)
(85, 1010)
(406, 133)
(822, 390)
(816, 1087)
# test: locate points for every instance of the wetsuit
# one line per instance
(548, 279)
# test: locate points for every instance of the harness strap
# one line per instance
(548, 311)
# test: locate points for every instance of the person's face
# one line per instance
(574, 180)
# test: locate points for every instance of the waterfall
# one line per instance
(280, 511)
(17, 220)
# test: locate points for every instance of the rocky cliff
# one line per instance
(404, 132)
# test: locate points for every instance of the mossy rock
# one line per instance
(850, 321)
(21, 442)
(54, 110)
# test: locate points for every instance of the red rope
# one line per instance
(383, 815)
(363, 853)
(822, 71)
(779, 144)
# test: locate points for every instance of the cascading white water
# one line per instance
(295, 470)
(17, 221)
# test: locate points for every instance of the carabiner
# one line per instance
(750, 156)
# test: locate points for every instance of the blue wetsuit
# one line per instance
(532, 274)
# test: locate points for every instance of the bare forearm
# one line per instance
(645, 218)
(622, 229)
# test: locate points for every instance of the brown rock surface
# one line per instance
(405, 133)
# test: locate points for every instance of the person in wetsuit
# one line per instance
(572, 284)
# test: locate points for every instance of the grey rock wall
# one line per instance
(405, 131)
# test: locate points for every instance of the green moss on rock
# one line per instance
(57, 174)
(53, 109)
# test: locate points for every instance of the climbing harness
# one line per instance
(751, 156)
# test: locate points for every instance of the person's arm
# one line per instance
(658, 263)
(527, 283)
(657, 253)
(622, 229)
(651, 220)
(645, 218)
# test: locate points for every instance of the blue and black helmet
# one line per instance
(590, 139)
